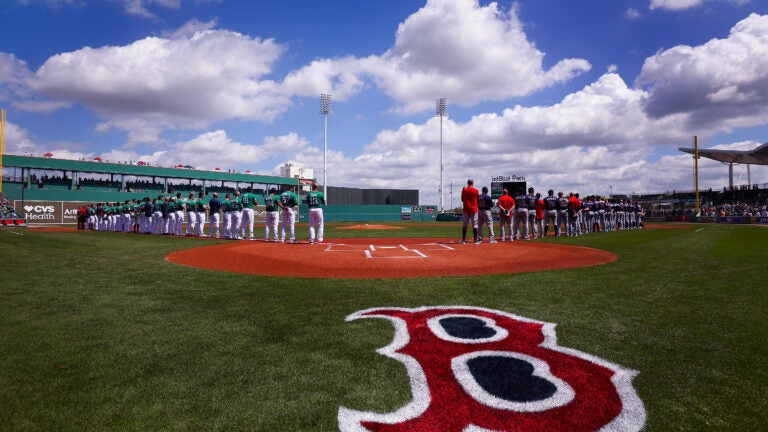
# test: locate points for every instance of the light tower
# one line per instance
(325, 109)
(440, 112)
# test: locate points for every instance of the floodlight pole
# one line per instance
(325, 109)
(440, 112)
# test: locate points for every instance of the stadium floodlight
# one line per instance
(440, 112)
(325, 109)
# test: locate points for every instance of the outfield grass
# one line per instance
(100, 333)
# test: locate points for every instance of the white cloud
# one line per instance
(687, 4)
(187, 82)
(452, 48)
(722, 82)
(13, 76)
(591, 140)
(217, 149)
(633, 14)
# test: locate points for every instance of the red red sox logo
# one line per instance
(481, 370)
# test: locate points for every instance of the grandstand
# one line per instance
(58, 186)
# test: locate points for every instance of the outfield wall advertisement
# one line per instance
(47, 212)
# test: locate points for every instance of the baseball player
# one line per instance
(315, 202)
(191, 214)
(179, 210)
(600, 213)
(236, 211)
(550, 213)
(157, 215)
(226, 229)
(288, 202)
(531, 201)
(249, 201)
(539, 227)
(271, 203)
(562, 215)
(521, 216)
(485, 216)
(214, 207)
(469, 196)
(506, 208)
(200, 210)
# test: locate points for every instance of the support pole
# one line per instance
(2, 146)
(696, 170)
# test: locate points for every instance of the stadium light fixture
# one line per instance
(440, 111)
(325, 109)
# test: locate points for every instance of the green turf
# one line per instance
(100, 333)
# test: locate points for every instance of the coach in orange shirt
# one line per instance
(469, 196)
(506, 208)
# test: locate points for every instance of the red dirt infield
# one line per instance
(356, 258)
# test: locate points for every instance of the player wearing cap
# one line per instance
(179, 206)
(506, 208)
(469, 196)
(226, 225)
(288, 202)
(272, 211)
(200, 209)
(249, 202)
(235, 210)
(214, 207)
(550, 212)
(531, 200)
(562, 215)
(315, 202)
(539, 227)
(521, 216)
(191, 214)
(485, 215)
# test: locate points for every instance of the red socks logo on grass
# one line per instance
(478, 370)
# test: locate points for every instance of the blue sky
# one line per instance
(590, 96)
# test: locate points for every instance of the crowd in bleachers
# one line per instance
(6, 208)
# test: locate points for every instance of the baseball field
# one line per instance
(107, 332)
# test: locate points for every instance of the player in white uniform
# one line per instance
(272, 214)
(315, 202)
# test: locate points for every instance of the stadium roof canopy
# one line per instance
(758, 156)
(66, 165)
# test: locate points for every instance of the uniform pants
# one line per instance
(226, 229)
(534, 227)
(550, 217)
(316, 222)
(213, 225)
(289, 221)
(521, 218)
(248, 223)
(235, 229)
(271, 224)
(179, 222)
(200, 224)
(562, 222)
(485, 218)
(191, 222)
(505, 222)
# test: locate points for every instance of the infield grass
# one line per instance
(100, 333)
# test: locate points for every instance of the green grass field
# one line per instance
(100, 333)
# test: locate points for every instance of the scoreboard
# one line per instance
(514, 184)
